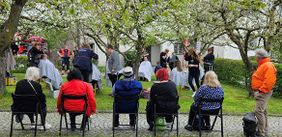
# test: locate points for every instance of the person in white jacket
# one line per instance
(145, 69)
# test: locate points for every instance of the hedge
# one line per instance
(233, 72)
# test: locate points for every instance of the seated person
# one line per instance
(29, 86)
(211, 89)
(178, 76)
(96, 78)
(76, 87)
(128, 87)
(145, 70)
(167, 90)
(48, 69)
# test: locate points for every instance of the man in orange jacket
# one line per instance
(263, 81)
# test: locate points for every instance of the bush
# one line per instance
(21, 64)
(233, 72)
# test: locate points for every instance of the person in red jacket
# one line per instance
(75, 86)
(263, 81)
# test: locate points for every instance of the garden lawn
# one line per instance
(235, 99)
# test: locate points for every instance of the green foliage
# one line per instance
(233, 72)
(230, 71)
(131, 55)
(21, 64)
(278, 87)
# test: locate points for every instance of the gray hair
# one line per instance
(261, 53)
(32, 73)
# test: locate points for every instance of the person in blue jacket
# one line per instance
(83, 61)
(128, 87)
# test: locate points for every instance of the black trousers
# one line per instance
(72, 120)
(150, 115)
(31, 116)
(85, 75)
(114, 78)
(65, 63)
(132, 119)
(193, 111)
(194, 75)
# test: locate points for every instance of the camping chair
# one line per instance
(216, 113)
(64, 111)
(132, 105)
(163, 107)
(19, 107)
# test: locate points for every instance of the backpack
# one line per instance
(250, 124)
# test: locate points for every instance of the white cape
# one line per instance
(96, 75)
(48, 69)
(146, 70)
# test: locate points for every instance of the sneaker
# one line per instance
(188, 127)
(47, 126)
(19, 118)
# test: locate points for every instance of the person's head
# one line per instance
(109, 49)
(74, 74)
(166, 51)
(193, 53)
(162, 74)
(128, 72)
(261, 54)
(44, 56)
(85, 46)
(32, 73)
(179, 66)
(66, 46)
(158, 62)
(211, 79)
(210, 50)
(145, 58)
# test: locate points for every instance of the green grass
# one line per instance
(235, 102)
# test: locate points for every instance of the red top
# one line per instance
(77, 87)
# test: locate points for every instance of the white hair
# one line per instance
(32, 73)
(211, 79)
(261, 53)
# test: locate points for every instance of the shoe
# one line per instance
(47, 126)
(206, 128)
(19, 118)
(189, 127)
(168, 125)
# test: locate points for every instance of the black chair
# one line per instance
(216, 112)
(164, 106)
(26, 104)
(65, 111)
(118, 108)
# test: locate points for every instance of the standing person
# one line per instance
(65, 54)
(76, 87)
(208, 62)
(163, 58)
(34, 54)
(172, 60)
(263, 80)
(193, 65)
(114, 64)
(83, 61)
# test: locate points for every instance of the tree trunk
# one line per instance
(7, 31)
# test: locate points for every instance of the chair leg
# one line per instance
(136, 125)
(12, 122)
(84, 124)
(214, 122)
(221, 124)
(172, 123)
(113, 128)
(200, 125)
(43, 119)
(66, 121)
(177, 125)
(36, 120)
(155, 130)
(61, 121)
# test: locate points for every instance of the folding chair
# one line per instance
(132, 106)
(19, 107)
(161, 109)
(65, 111)
(217, 113)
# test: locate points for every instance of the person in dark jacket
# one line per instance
(34, 54)
(83, 61)
(172, 60)
(29, 86)
(208, 62)
(128, 87)
(193, 65)
(163, 58)
(166, 89)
